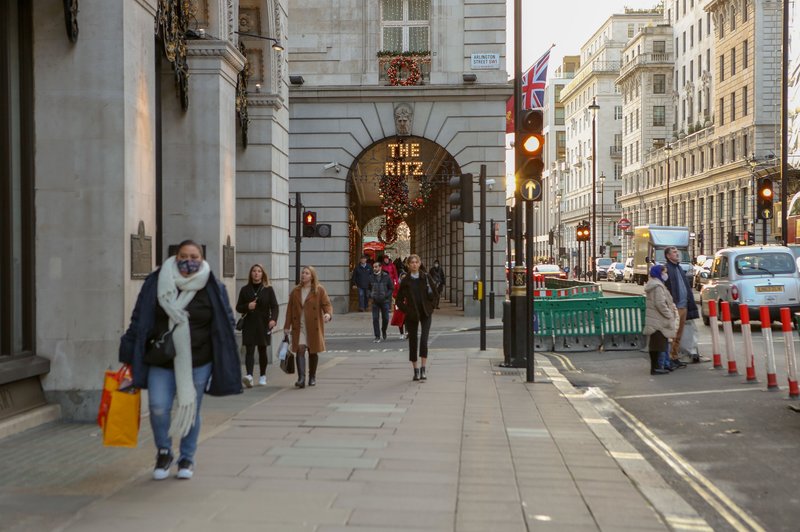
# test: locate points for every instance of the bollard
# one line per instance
(727, 328)
(791, 361)
(749, 358)
(712, 320)
(766, 330)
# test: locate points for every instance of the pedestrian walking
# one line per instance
(661, 319)
(437, 275)
(683, 297)
(259, 309)
(415, 298)
(381, 289)
(183, 296)
(308, 311)
(389, 267)
(360, 279)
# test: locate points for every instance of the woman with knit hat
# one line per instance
(661, 318)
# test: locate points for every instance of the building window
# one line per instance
(711, 157)
(659, 47)
(745, 7)
(683, 75)
(693, 168)
(744, 100)
(733, 150)
(733, 106)
(699, 30)
(708, 60)
(684, 42)
(744, 54)
(630, 30)
(733, 21)
(691, 37)
(708, 24)
(659, 83)
(559, 116)
(699, 65)
(617, 112)
(744, 145)
(17, 294)
(405, 25)
(702, 160)
(722, 67)
(617, 171)
(691, 70)
(721, 26)
(733, 61)
(659, 115)
(637, 119)
(677, 44)
(722, 111)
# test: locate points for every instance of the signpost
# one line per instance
(531, 190)
(624, 224)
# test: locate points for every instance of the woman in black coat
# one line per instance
(259, 309)
(416, 298)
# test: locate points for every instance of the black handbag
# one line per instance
(160, 349)
(240, 323)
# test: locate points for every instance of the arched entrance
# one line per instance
(399, 184)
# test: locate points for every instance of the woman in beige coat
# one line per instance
(307, 312)
(661, 318)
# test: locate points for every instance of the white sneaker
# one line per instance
(247, 380)
(185, 469)
(262, 380)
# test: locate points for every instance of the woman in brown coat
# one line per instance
(660, 319)
(307, 312)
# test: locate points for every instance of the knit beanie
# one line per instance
(655, 271)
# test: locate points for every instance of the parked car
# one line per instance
(755, 275)
(544, 271)
(615, 272)
(627, 273)
(702, 273)
(601, 267)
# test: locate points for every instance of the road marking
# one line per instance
(738, 518)
(565, 362)
(701, 392)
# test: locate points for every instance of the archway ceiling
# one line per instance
(368, 168)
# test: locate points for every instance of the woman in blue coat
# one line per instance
(182, 296)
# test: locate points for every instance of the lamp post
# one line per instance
(752, 162)
(668, 151)
(594, 108)
(558, 227)
(602, 179)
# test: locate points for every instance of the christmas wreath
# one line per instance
(397, 65)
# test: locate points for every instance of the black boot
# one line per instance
(655, 368)
(301, 371)
(416, 374)
(313, 361)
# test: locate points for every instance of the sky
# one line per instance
(565, 23)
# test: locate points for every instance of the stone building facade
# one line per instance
(351, 118)
(712, 171)
(126, 137)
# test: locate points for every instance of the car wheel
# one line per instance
(706, 320)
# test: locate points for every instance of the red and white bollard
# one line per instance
(766, 330)
(712, 321)
(791, 361)
(727, 328)
(749, 358)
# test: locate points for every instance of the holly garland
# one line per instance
(396, 204)
(399, 64)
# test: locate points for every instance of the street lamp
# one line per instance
(594, 108)
(558, 227)
(602, 179)
(667, 152)
(276, 44)
(753, 163)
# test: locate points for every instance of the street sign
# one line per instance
(624, 224)
(531, 190)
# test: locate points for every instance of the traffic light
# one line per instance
(764, 199)
(550, 237)
(751, 238)
(530, 151)
(461, 198)
(309, 223)
(583, 232)
(602, 249)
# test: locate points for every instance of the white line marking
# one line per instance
(713, 496)
(681, 394)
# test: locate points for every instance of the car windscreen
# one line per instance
(661, 259)
(604, 262)
(764, 263)
(619, 266)
(542, 268)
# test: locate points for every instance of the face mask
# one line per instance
(189, 266)
(435, 264)
(664, 277)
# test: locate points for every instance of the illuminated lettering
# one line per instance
(397, 167)
(388, 168)
(418, 168)
(415, 150)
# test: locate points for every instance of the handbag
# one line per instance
(285, 356)
(160, 349)
(120, 408)
(398, 318)
(240, 323)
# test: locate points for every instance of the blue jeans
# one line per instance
(161, 388)
(363, 298)
(382, 310)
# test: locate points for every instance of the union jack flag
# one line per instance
(533, 83)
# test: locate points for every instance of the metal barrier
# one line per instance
(586, 324)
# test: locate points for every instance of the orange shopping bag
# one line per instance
(119, 409)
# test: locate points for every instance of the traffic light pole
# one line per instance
(298, 237)
(528, 328)
(482, 180)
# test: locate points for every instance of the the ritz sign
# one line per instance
(399, 166)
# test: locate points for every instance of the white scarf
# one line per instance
(175, 292)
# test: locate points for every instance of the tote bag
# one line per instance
(120, 408)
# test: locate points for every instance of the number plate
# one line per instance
(770, 288)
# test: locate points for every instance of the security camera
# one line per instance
(490, 183)
(332, 164)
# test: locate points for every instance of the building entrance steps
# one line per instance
(473, 448)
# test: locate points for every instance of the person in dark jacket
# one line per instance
(360, 279)
(415, 298)
(437, 275)
(682, 296)
(259, 308)
(185, 297)
(380, 292)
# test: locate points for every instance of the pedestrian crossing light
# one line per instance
(530, 163)
(765, 198)
(309, 223)
(461, 198)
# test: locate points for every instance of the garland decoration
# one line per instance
(396, 204)
(397, 65)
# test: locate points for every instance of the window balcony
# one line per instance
(615, 151)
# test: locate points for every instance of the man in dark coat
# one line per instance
(360, 279)
(682, 296)
(380, 291)
(437, 276)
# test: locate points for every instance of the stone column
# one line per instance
(199, 154)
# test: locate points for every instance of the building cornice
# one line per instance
(361, 93)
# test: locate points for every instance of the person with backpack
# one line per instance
(380, 292)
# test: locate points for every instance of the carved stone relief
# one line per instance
(403, 119)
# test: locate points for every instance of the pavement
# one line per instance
(474, 448)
